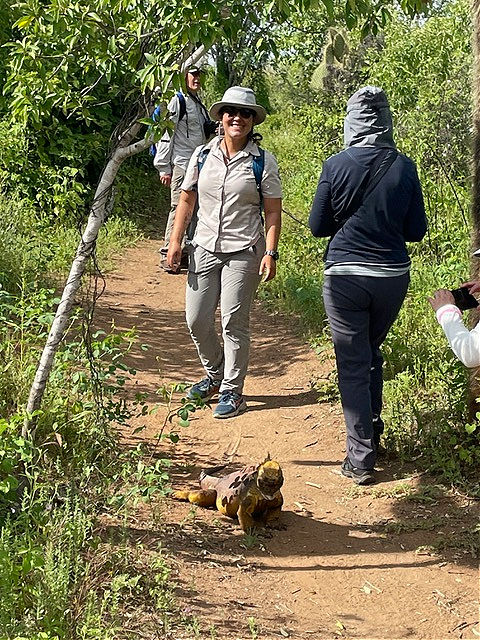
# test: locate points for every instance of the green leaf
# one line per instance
(329, 7)
(24, 22)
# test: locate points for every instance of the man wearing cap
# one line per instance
(192, 128)
(232, 248)
(465, 344)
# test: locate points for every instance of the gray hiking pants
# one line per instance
(361, 310)
(178, 174)
(231, 279)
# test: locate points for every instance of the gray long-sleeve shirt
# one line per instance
(188, 135)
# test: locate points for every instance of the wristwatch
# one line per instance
(270, 252)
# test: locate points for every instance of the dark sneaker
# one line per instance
(359, 476)
(229, 404)
(204, 389)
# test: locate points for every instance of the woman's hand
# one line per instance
(268, 268)
(174, 254)
(473, 286)
(440, 298)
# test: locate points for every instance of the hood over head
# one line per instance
(368, 121)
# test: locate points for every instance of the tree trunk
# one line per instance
(84, 251)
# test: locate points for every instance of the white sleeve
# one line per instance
(163, 155)
(465, 344)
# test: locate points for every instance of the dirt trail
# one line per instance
(351, 563)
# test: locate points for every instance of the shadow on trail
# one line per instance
(306, 538)
(281, 401)
(438, 520)
(164, 348)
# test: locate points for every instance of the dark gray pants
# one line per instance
(361, 310)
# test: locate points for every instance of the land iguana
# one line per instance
(251, 494)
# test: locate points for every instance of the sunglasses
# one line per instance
(243, 113)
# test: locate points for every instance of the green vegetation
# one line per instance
(68, 79)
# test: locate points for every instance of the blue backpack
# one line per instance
(258, 165)
(158, 111)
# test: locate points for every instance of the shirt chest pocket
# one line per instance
(243, 183)
(245, 172)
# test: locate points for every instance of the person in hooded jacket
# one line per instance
(369, 201)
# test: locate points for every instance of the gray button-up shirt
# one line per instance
(229, 216)
(188, 134)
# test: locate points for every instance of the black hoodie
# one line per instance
(392, 214)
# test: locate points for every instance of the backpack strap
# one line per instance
(202, 156)
(155, 117)
(182, 104)
(258, 165)
(379, 171)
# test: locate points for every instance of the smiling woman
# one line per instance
(230, 250)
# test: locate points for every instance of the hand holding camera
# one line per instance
(461, 298)
(464, 299)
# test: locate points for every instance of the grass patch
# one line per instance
(424, 494)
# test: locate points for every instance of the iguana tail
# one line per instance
(180, 495)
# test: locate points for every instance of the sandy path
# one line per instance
(338, 570)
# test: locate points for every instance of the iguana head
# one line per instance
(269, 478)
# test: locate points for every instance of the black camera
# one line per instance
(464, 299)
(210, 128)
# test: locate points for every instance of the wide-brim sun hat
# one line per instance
(241, 97)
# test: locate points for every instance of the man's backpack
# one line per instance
(258, 165)
(158, 111)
